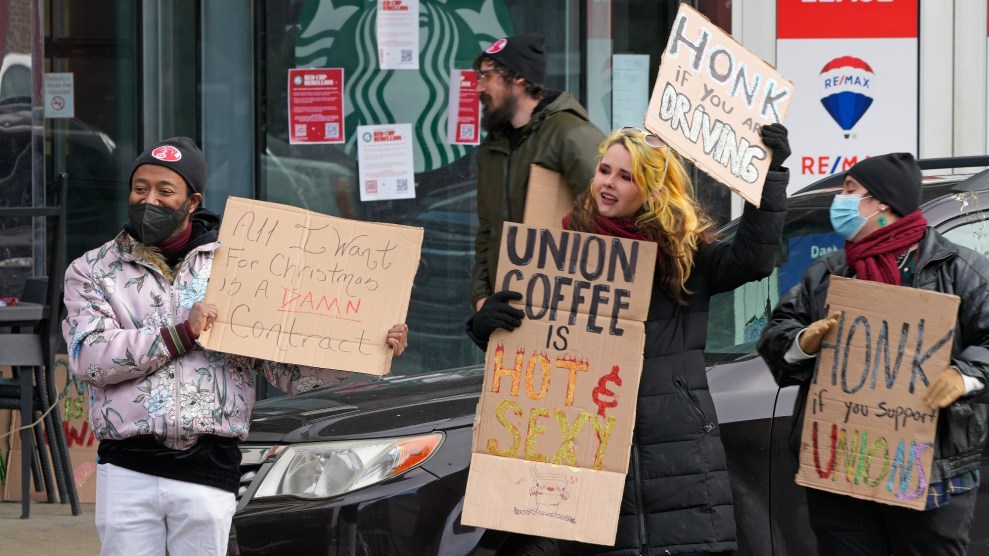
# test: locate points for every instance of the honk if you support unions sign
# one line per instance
(711, 98)
(300, 287)
(554, 425)
(867, 432)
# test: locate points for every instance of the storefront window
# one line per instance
(97, 145)
(227, 100)
(142, 72)
(17, 256)
(323, 178)
(582, 36)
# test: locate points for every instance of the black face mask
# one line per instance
(153, 224)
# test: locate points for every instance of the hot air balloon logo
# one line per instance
(846, 90)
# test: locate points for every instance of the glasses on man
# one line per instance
(651, 139)
(483, 75)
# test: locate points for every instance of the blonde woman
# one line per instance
(677, 498)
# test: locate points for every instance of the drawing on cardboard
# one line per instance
(548, 491)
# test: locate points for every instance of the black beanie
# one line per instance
(524, 54)
(180, 155)
(892, 178)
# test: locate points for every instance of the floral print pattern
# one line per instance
(308, 383)
(153, 322)
(160, 401)
(75, 344)
(197, 402)
(103, 283)
(194, 292)
(135, 386)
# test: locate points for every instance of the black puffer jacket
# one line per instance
(677, 497)
(942, 266)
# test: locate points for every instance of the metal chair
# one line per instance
(32, 354)
(23, 352)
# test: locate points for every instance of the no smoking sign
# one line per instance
(59, 97)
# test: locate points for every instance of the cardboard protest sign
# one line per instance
(554, 424)
(711, 98)
(300, 287)
(547, 200)
(867, 432)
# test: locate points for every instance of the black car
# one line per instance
(379, 466)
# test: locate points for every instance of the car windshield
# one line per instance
(737, 317)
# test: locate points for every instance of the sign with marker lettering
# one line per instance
(867, 432)
(554, 424)
(300, 287)
(711, 98)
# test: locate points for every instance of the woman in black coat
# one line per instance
(677, 499)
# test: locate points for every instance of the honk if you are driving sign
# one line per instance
(300, 287)
(553, 430)
(710, 100)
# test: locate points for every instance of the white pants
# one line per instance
(144, 515)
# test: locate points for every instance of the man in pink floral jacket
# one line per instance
(167, 413)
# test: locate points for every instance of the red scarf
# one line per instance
(874, 257)
(172, 246)
(617, 227)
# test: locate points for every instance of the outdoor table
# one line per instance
(22, 315)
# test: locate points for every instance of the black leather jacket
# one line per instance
(943, 267)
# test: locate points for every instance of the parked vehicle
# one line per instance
(379, 465)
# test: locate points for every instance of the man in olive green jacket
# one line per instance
(526, 124)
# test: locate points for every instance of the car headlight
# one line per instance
(327, 469)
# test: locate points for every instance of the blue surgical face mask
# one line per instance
(845, 216)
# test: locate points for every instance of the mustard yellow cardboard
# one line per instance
(547, 200)
(301, 287)
(554, 424)
(867, 432)
(711, 98)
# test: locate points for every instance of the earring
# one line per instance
(882, 221)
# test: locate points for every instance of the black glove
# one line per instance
(775, 137)
(495, 313)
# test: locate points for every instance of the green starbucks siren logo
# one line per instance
(341, 33)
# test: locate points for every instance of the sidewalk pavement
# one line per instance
(51, 530)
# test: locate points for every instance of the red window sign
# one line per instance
(315, 105)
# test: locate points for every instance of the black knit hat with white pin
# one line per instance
(182, 156)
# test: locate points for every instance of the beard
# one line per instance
(498, 118)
